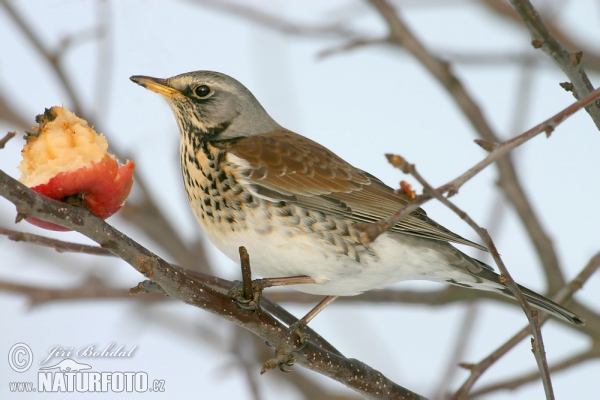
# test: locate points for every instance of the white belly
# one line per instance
(292, 251)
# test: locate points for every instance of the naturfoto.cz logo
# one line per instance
(68, 375)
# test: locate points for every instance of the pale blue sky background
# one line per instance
(361, 104)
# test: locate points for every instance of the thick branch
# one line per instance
(358, 376)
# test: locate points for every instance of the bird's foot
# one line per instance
(285, 358)
(242, 301)
(282, 359)
(302, 337)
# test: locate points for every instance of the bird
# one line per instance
(295, 205)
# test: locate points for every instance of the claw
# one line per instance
(280, 361)
(236, 293)
(302, 337)
(282, 368)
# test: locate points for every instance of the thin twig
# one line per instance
(562, 295)
(58, 245)
(569, 62)
(6, 138)
(498, 151)
(91, 289)
(512, 384)
(538, 342)
(276, 22)
(52, 58)
(351, 45)
(590, 61)
(509, 182)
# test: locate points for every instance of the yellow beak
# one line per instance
(156, 85)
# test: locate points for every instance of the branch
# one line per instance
(276, 22)
(146, 214)
(150, 219)
(448, 295)
(177, 285)
(92, 289)
(563, 294)
(53, 59)
(6, 138)
(58, 245)
(537, 342)
(513, 384)
(569, 63)
(498, 153)
(591, 61)
(509, 182)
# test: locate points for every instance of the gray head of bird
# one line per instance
(210, 104)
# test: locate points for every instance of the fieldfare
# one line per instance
(294, 204)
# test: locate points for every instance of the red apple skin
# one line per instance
(103, 185)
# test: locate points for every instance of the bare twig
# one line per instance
(6, 138)
(512, 384)
(532, 316)
(569, 62)
(351, 45)
(58, 245)
(509, 182)
(537, 343)
(53, 59)
(276, 22)
(591, 61)
(92, 289)
(563, 294)
(146, 214)
(498, 152)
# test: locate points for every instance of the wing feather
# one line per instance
(284, 166)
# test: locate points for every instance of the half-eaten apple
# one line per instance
(66, 160)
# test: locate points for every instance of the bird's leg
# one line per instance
(248, 299)
(247, 293)
(283, 358)
(302, 322)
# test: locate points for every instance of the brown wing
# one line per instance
(289, 167)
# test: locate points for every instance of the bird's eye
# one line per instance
(202, 91)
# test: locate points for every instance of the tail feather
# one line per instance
(534, 299)
(471, 273)
(542, 303)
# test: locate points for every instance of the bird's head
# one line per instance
(211, 105)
